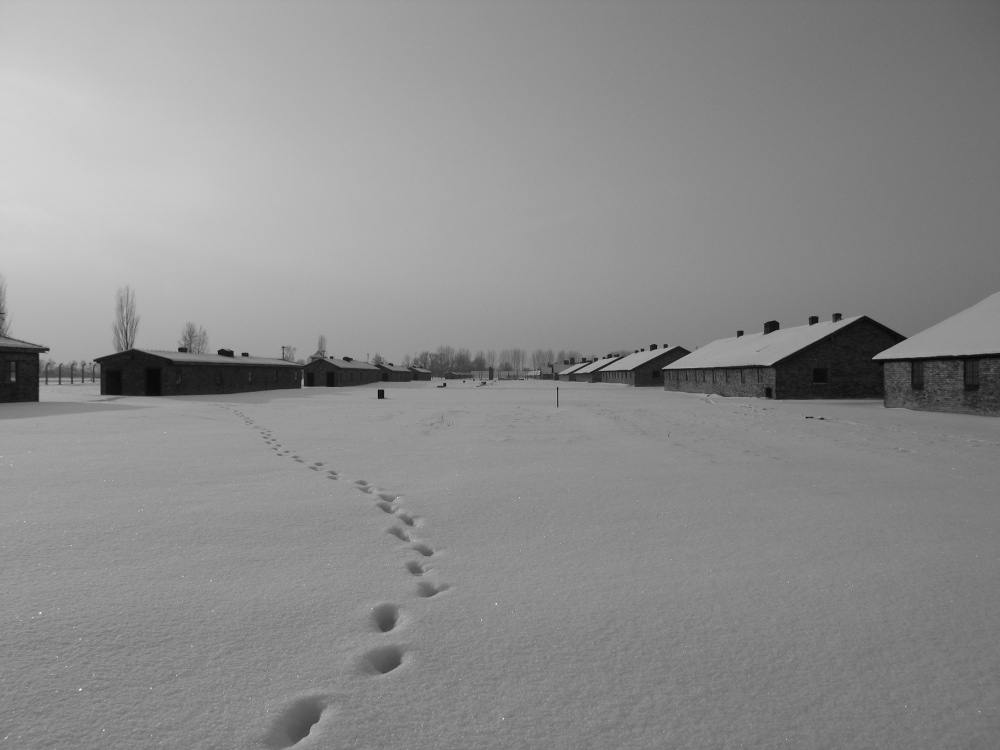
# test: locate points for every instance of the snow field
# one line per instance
(473, 568)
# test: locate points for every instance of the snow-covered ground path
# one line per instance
(635, 569)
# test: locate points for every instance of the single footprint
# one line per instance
(415, 567)
(407, 519)
(398, 533)
(382, 660)
(428, 589)
(367, 489)
(423, 549)
(389, 497)
(385, 617)
(296, 722)
(386, 507)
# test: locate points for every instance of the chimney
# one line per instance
(565, 361)
(246, 354)
(225, 352)
(739, 333)
(771, 326)
(813, 320)
(652, 347)
(182, 349)
(348, 359)
(572, 360)
(837, 317)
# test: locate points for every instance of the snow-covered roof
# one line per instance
(395, 368)
(6, 342)
(760, 349)
(974, 331)
(595, 366)
(352, 364)
(572, 368)
(421, 370)
(206, 359)
(630, 362)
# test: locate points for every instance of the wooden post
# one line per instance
(557, 396)
(60, 373)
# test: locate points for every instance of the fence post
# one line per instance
(72, 367)
(60, 373)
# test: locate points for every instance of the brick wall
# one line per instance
(25, 388)
(745, 382)
(847, 357)
(944, 387)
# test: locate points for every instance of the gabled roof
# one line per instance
(421, 370)
(204, 359)
(595, 366)
(630, 362)
(345, 364)
(394, 368)
(762, 349)
(974, 331)
(572, 368)
(6, 342)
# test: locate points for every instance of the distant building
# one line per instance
(953, 366)
(592, 372)
(395, 373)
(573, 366)
(19, 363)
(642, 368)
(337, 373)
(832, 359)
(420, 373)
(148, 372)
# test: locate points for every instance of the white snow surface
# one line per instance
(472, 567)
(974, 331)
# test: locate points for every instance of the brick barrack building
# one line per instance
(19, 363)
(642, 368)
(337, 373)
(953, 366)
(832, 359)
(148, 372)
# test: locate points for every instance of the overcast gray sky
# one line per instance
(586, 175)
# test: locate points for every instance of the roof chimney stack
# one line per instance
(813, 320)
(837, 317)
(182, 349)
(246, 354)
(771, 326)
(652, 347)
(739, 333)
(225, 352)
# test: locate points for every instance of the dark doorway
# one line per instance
(153, 381)
(113, 383)
(330, 380)
(768, 393)
(310, 380)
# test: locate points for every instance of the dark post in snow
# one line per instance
(381, 393)
(60, 373)
(557, 396)
(46, 373)
(72, 366)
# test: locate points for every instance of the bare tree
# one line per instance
(378, 359)
(195, 338)
(288, 353)
(406, 360)
(491, 358)
(126, 324)
(4, 314)
(321, 344)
